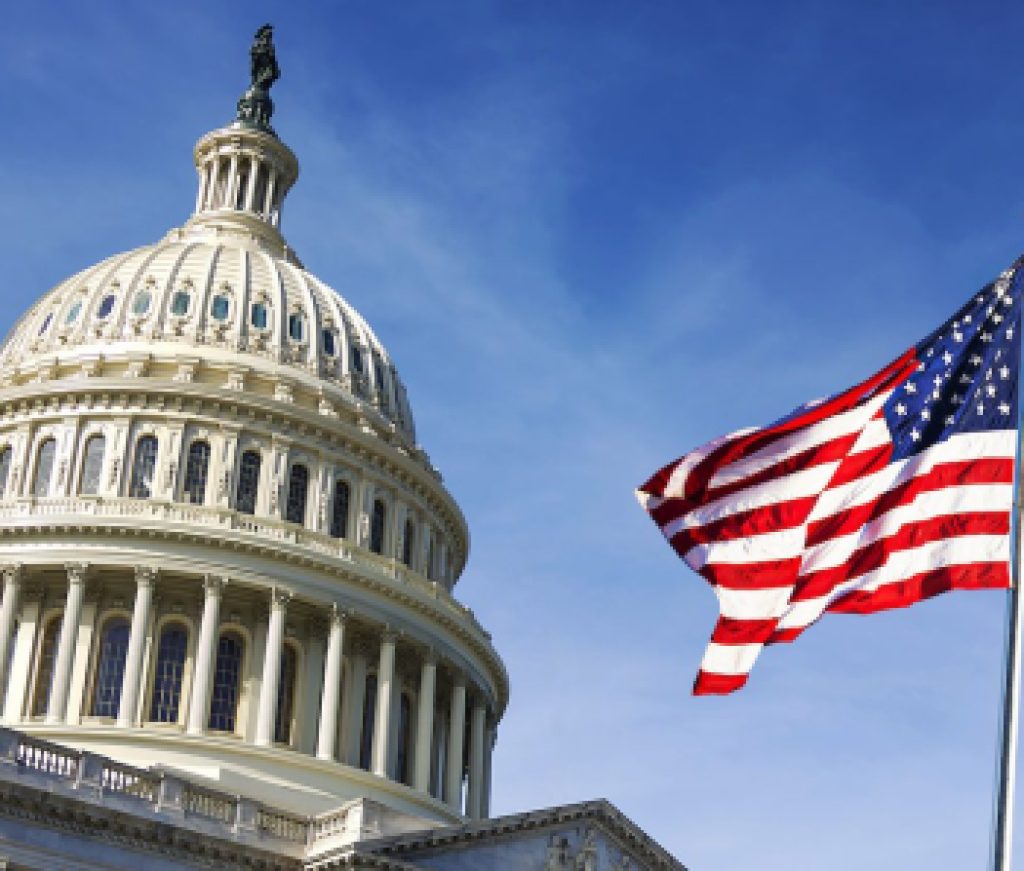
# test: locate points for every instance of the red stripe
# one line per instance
(753, 576)
(744, 524)
(984, 471)
(874, 555)
(710, 684)
(861, 464)
(900, 594)
(731, 631)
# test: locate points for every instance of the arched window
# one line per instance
(258, 315)
(221, 307)
(92, 465)
(143, 468)
(46, 323)
(44, 468)
(180, 303)
(106, 691)
(73, 313)
(298, 489)
(407, 541)
(296, 327)
(227, 675)
(248, 482)
(196, 470)
(380, 513)
(5, 469)
(285, 696)
(329, 346)
(357, 358)
(106, 306)
(142, 302)
(369, 715)
(404, 735)
(44, 667)
(170, 667)
(339, 514)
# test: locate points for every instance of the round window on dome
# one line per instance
(258, 315)
(73, 313)
(142, 302)
(106, 306)
(180, 303)
(46, 323)
(329, 347)
(221, 307)
(296, 327)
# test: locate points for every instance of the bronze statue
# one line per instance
(255, 106)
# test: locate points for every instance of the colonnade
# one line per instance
(242, 167)
(334, 668)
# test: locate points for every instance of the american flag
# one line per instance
(893, 491)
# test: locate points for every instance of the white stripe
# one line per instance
(730, 658)
(753, 604)
(790, 446)
(964, 550)
(783, 544)
(676, 484)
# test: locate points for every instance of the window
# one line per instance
(92, 465)
(106, 307)
(407, 541)
(196, 470)
(106, 692)
(226, 676)
(329, 348)
(296, 327)
(404, 720)
(369, 715)
(5, 470)
(73, 313)
(142, 302)
(377, 526)
(144, 468)
(44, 468)
(258, 315)
(46, 323)
(298, 488)
(180, 303)
(221, 307)
(339, 515)
(357, 358)
(285, 697)
(170, 667)
(248, 482)
(44, 669)
(378, 375)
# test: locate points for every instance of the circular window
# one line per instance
(106, 307)
(46, 323)
(221, 307)
(142, 302)
(73, 313)
(180, 303)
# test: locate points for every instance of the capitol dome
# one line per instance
(224, 553)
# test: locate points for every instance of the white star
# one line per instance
(987, 337)
(1007, 300)
(1009, 332)
(990, 389)
(900, 409)
(957, 399)
(1004, 408)
(947, 358)
(926, 414)
(979, 299)
(950, 420)
(935, 393)
(915, 435)
(930, 352)
(965, 379)
(997, 319)
(937, 381)
(981, 408)
(910, 387)
(958, 336)
(1004, 372)
(967, 319)
(975, 360)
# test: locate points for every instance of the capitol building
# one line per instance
(229, 627)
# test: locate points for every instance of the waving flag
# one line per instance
(896, 490)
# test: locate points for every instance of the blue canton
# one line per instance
(966, 380)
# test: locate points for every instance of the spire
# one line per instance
(244, 169)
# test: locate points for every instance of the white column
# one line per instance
(477, 724)
(131, 685)
(327, 736)
(21, 665)
(456, 734)
(385, 701)
(250, 192)
(58, 701)
(8, 613)
(211, 188)
(204, 177)
(271, 668)
(492, 737)
(310, 688)
(268, 200)
(425, 724)
(354, 701)
(202, 674)
(230, 194)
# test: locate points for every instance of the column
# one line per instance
(309, 691)
(456, 735)
(202, 674)
(131, 685)
(80, 661)
(489, 742)
(354, 701)
(477, 723)
(21, 664)
(8, 612)
(385, 700)
(271, 668)
(230, 195)
(425, 724)
(211, 188)
(327, 736)
(204, 175)
(250, 191)
(58, 701)
(268, 201)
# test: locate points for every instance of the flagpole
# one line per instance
(1002, 832)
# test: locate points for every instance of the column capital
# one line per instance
(145, 576)
(429, 655)
(213, 585)
(279, 598)
(338, 614)
(13, 573)
(76, 572)
(389, 634)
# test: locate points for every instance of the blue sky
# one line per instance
(594, 235)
